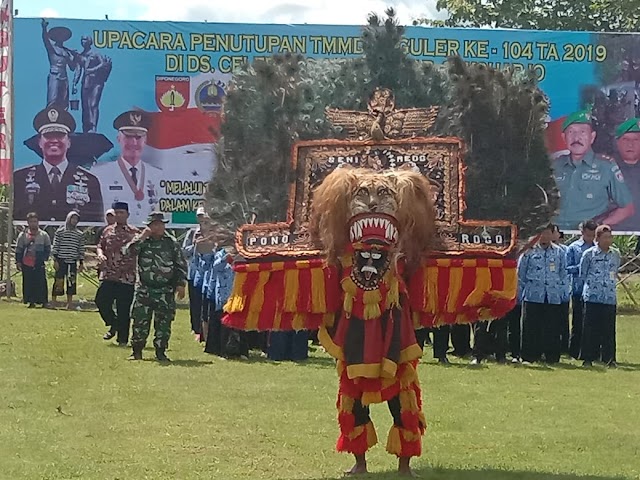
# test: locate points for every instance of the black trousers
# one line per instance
(68, 272)
(490, 338)
(195, 307)
(290, 345)
(34, 285)
(564, 328)
(575, 341)
(599, 334)
(461, 339)
(120, 320)
(422, 337)
(362, 413)
(541, 332)
(514, 327)
(441, 341)
(222, 340)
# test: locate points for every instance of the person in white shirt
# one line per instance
(129, 179)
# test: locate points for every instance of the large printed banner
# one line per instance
(6, 40)
(130, 111)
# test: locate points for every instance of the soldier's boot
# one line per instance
(137, 353)
(161, 356)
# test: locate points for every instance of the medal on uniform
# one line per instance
(32, 187)
(78, 193)
(138, 193)
(151, 192)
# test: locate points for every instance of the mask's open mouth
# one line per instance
(372, 236)
(373, 225)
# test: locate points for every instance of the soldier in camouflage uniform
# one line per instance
(162, 272)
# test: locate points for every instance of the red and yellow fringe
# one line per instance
(403, 441)
(448, 291)
(305, 294)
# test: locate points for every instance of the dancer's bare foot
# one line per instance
(360, 466)
(404, 469)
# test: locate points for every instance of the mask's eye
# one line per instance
(365, 254)
(376, 256)
(363, 191)
(383, 191)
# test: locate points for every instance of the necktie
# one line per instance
(55, 177)
(134, 175)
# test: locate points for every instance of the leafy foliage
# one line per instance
(276, 102)
(500, 115)
(583, 15)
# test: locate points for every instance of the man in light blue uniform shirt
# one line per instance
(574, 255)
(542, 272)
(558, 238)
(191, 255)
(599, 271)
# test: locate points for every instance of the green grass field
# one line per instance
(71, 407)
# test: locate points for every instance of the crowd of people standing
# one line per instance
(552, 277)
(141, 273)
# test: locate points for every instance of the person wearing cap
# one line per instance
(162, 274)
(628, 159)
(192, 239)
(129, 179)
(110, 219)
(591, 185)
(117, 275)
(55, 186)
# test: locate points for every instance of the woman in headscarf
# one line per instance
(33, 248)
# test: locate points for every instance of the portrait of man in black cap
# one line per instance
(129, 179)
(54, 187)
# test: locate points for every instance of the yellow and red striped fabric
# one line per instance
(305, 294)
(293, 295)
(448, 291)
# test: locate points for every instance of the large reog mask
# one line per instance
(372, 216)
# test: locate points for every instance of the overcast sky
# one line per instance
(251, 11)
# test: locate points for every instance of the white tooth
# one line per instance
(385, 222)
(387, 233)
(359, 231)
(370, 222)
(395, 234)
(376, 222)
(352, 232)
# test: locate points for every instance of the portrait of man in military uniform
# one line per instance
(129, 179)
(54, 187)
(628, 159)
(592, 187)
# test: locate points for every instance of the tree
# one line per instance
(276, 102)
(582, 15)
(500, 115)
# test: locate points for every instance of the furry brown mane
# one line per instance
(331, 210)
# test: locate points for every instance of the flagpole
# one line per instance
(6, 11)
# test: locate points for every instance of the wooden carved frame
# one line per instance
(300, 191)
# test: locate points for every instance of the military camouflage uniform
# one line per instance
(161, 269)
